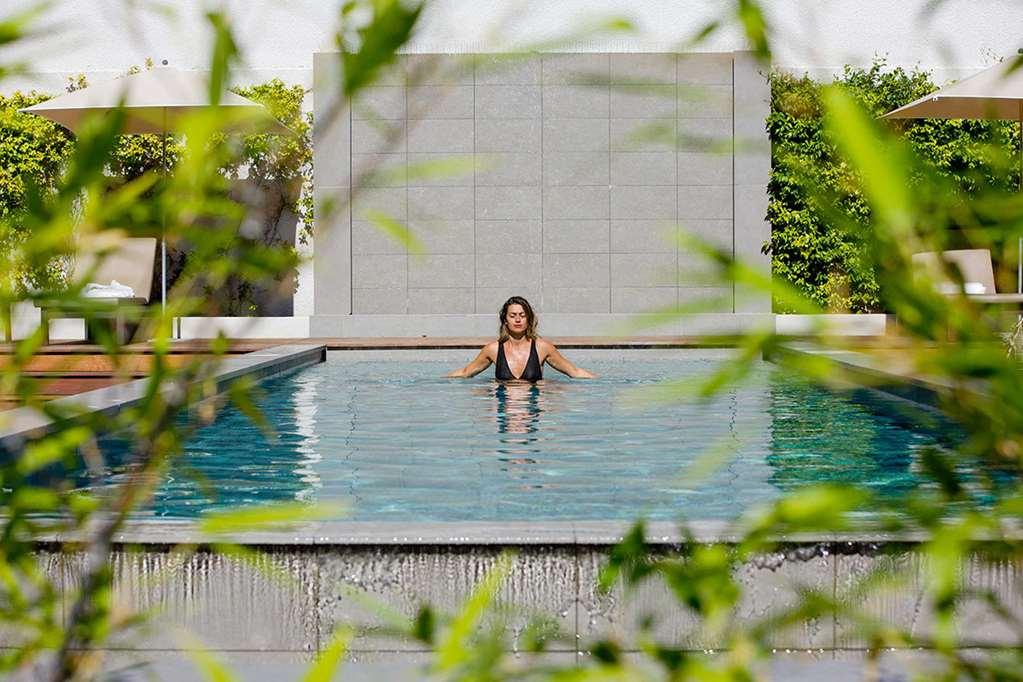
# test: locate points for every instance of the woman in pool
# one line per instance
(518, 353)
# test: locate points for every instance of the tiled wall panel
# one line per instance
(579, 180)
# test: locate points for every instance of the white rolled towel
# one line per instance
(113, 290)
(971, 288)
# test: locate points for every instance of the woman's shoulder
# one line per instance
(543, 344)
(490, 349)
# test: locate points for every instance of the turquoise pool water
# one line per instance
(390, 438)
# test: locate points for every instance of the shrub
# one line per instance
(33, 151)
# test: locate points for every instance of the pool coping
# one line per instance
(23, 424)
(480, 533)
(920, 390)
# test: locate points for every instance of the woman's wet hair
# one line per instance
(502, 332)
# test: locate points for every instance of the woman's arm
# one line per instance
(559, 362)
(480, 363)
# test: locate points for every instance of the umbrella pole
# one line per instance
(163, 224)
(1016, 338)
(163, 228)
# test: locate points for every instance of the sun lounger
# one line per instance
(975, 267)
(127, 268)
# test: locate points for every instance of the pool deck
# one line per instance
(886, 368)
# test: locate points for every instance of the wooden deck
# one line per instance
(70, 368)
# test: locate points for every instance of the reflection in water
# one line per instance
(529, 417)
(234, 462)
(518, 405)
(305, 400)
(821, 437)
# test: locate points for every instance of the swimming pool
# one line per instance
(385, 434)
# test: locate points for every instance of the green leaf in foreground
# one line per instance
(815, 508)
(584, 31)
(751, 18)
(269, 517)
(447, 167)
(224, 52)
(453, 649)
(15, 27)
(628, 560)
(326, 665)
(55, 448)
(396, 230)
(425, 625)
(378, 41)
(209, 667)
(880, 160)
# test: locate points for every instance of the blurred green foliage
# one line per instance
(103, 185)
(823, 260)
(860, 197)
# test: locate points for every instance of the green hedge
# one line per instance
(33, 152)
(826, 263)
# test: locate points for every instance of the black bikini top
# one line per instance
(532, 372)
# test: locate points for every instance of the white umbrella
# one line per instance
(996, 93)
(155, 101)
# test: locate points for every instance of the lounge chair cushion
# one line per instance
(973, 264)
(130, 263)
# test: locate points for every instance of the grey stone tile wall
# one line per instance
(573, 179)
(752, 170)
(332, 153)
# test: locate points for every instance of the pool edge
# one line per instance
(477, 533)
(24, 424)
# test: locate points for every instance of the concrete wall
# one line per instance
(580, 170)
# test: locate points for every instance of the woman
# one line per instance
(518, 353)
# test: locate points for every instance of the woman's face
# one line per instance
(515, 319)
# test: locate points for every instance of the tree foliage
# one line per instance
(34, 152)
(809, 249)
